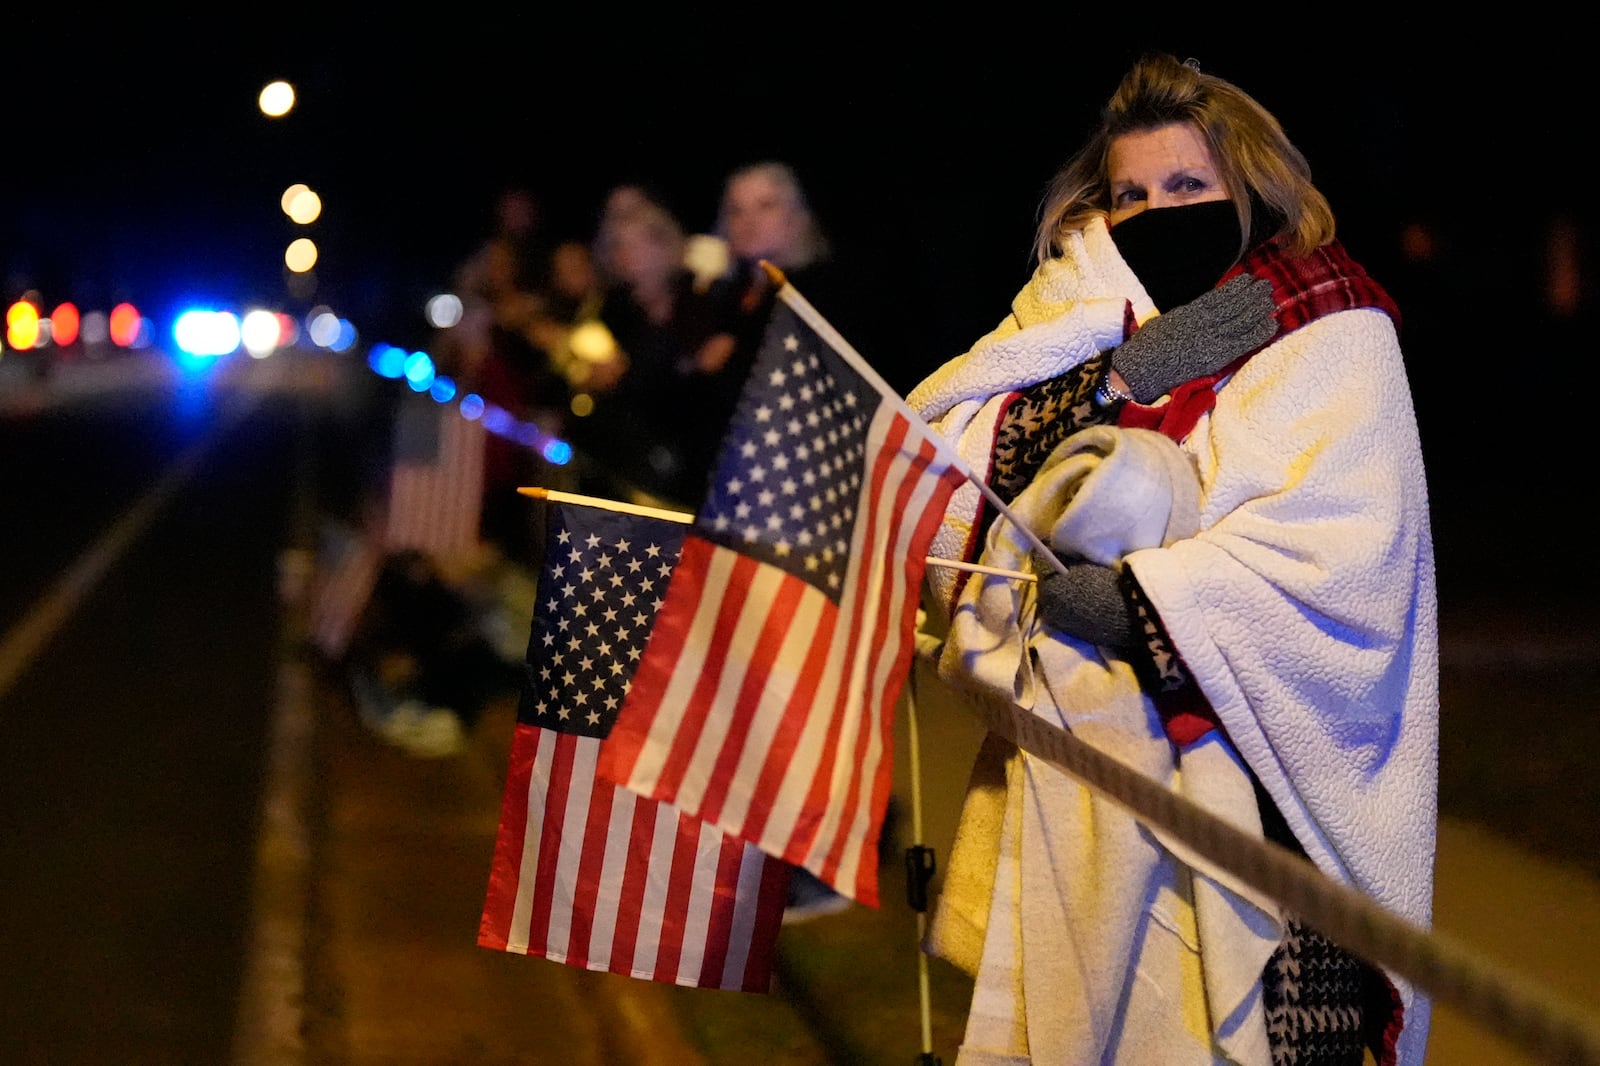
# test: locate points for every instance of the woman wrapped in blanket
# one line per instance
(1199, 403)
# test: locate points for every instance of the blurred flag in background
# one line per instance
(764, 700)
(436, 480)
(584, 872)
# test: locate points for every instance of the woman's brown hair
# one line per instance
(1266, 176)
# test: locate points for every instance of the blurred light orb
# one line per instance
(322, 326)
(305, 207)
(261, 333)
(289, 194)
(345, 338)
(387, 361)
(301, 255)
(472, 407)
(22, 325)
(592, 342)
(558, 452)
(126, 325)
(707, 257)
(582, 405)
(419, 371)
(443, 311)
(442, 389)
(288, 330)
(276, 99)
(498, 420)
(95, 327)
(206, 334)
(64, 321)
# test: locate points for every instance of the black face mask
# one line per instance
(1179, 252)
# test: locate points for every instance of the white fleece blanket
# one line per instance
(1304, 606)
(1080, 887)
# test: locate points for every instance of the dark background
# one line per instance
(138, 166)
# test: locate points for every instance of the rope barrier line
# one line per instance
(1555, 1030)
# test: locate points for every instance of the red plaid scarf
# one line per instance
(1306, 288)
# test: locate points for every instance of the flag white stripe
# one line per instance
(768, 715)
(646, 773)
(730, 678)
(518, 938)
(811, 744)
(880, 588)
(852, 657)
(708, 851)
(580, 791)
(663, 835)
(752, 862)
(602, 942)
(891, 605)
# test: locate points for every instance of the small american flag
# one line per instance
(436, 480)
(765, 697)
(584, 872)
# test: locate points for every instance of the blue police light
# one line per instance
(419, 371)
(387, 360)
(201, 334)
(345, 339)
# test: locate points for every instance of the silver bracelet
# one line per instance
(1107, 394)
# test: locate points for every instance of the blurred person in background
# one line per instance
(765, 214)
(644, 392)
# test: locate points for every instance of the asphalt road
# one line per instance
(135, 693)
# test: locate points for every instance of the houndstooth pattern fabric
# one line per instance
(1314, 992)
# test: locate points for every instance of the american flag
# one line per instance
(436, 480)
(584, 872)
(765, 697)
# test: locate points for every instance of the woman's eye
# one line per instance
(1127, 196)
(1192, 185)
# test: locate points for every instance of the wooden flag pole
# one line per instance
(814, 319)
(683, 516)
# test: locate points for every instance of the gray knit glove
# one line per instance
(1087, 602)
(1197, 338)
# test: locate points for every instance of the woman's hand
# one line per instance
(1197, 338)
(1087, 602)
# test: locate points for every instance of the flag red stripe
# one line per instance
(880, 544)
(786, 739)
(685, 845)
(914, 564)
(635, 879)
(771, 900)
(591, 861)
(866, 576)
(506, 868)
(687, 736)
(719, 923)
(770, 641)
(555, 813)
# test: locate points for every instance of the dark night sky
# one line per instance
(140, 168)
(146, 170)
